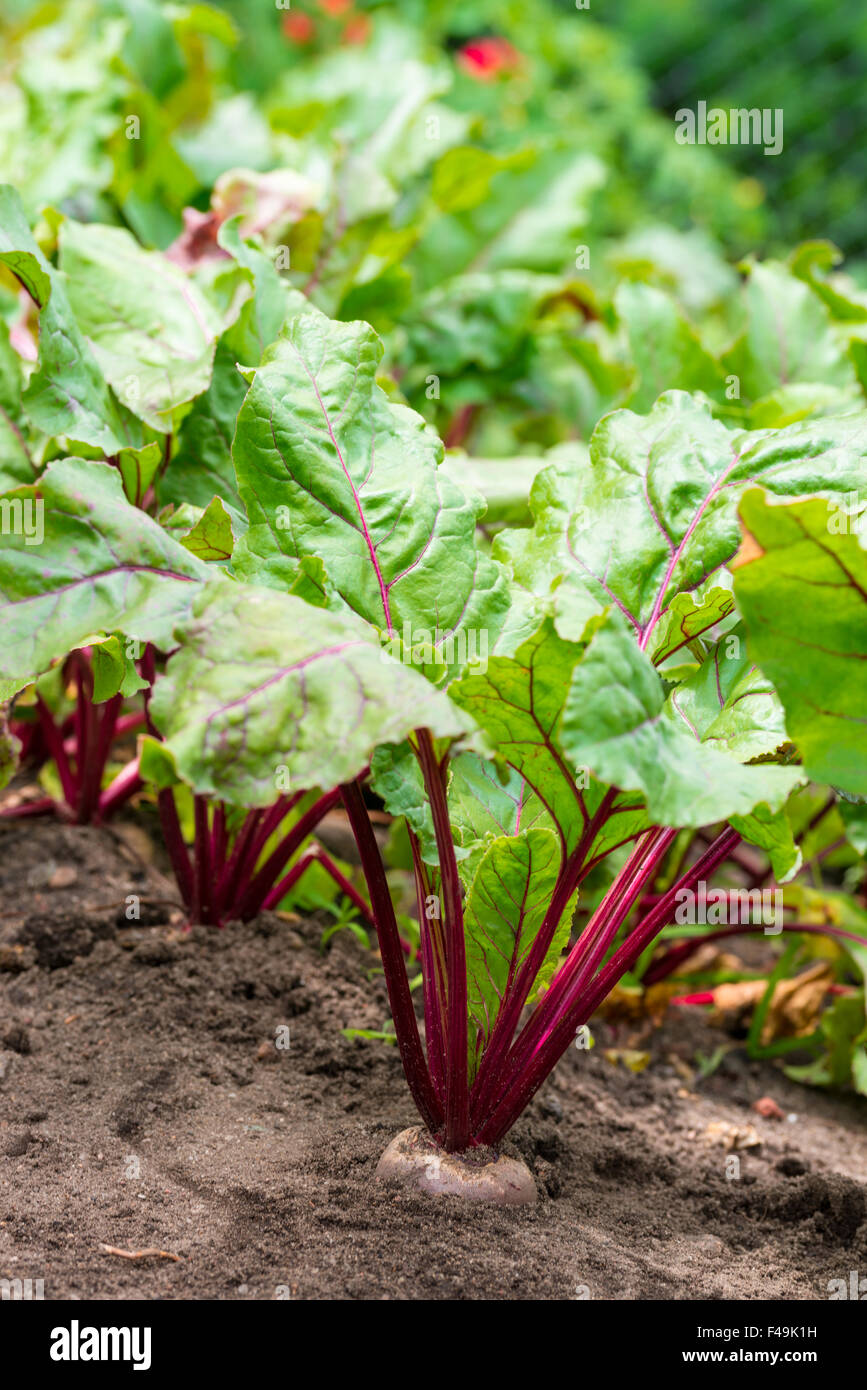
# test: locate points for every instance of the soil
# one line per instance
(144, 1104)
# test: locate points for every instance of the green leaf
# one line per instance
(211, 538)
(664, 346)
(151, 329)
(15, 462)
(102, 566)
(9, 750)
(486, 799)
(690, 616)
(654, 517)
(114, 672)
(728, 704)
(462, 178)
(504, 483)
(67, 394)
(854, 817)
(138, 468)
(772, 832)
(262, 681)
(804, 601)
(505, 907)
(395, 775)
(789, 336)
(156, 763)
(518, 701)
(328, 466)
(202, 467)
(615, 722)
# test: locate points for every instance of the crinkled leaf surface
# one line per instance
(328, 466)
(615, 722)
(728, 704)
(103, 566)
(263, 680)
(803, 595)
(654, 517)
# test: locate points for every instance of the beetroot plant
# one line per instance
(620, 704)
(546, 717)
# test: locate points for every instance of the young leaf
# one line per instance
(728, 704)
(211, 538)
(518, 702)
(114, 672)
(506, 905)
(616, 723)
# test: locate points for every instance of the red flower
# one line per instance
(335, 6)
(298, 27)
(486, 59)
(357, 29)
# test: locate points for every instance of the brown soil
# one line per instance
(143, 1104)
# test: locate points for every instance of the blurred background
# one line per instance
(495, 185)
(606, 76)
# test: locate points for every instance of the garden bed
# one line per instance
(144, 1104)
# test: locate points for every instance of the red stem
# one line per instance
(201, 909)
(45, 806)
(399, 996)
(668, 963)
(254, 895)
(550, 1048)
(218, 848)
(433, 971)
(54, 743)
(500, 1041)
(588, 951)
(103, 724)
(457, 1127)
(126, 784)
(318, 855)
(177, 850)
(239, 865)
